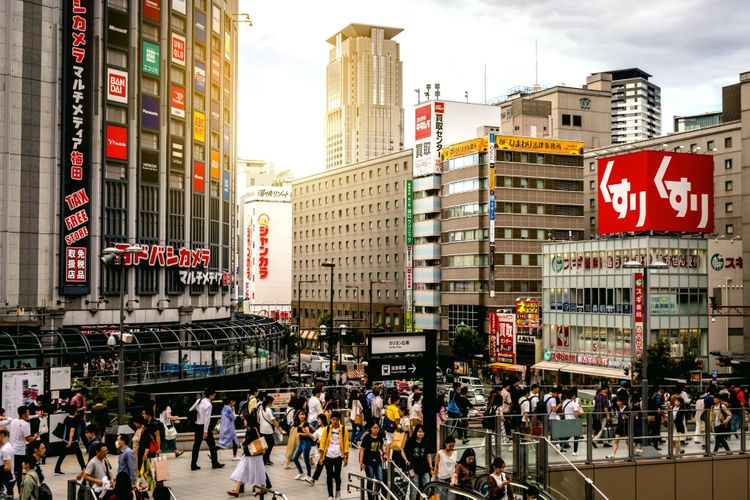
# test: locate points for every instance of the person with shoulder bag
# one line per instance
(200, 416)
(268, 427)
(251, 469)
(227, 428)
(498, 482)
(721, 418)
(169, 443)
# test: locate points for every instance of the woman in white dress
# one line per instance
(250, 470)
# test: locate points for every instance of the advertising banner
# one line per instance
(494, 342)
(117, 29)
(215, 164)
(638, 306)
(149, 166)
(177, 101)
(200, 27)
(215, 68)
(177, 152)
(656, 191)
(178, 49)
(533, 145)
(506, 338)
(22, 387)
(491, 222)
(199, 126)
(150, 59)
(150, 112)
(180, 6)
(117, 142)
(527, 313)
(478, 145)
(428, 135)
(117, 85)
(199, 181)
(562, 337)
(423, 122)
(227, 46)
(216, 20)
(215, 116)
(227, 139)
(409, 263)
(226, 185)
(200, 77)
(152, 10)
(663, 303)
(76, 115)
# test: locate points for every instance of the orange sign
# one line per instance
(215, 165)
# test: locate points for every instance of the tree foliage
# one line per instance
(466, 343)
(661, 364)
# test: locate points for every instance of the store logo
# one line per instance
(557, 264)
(585, 103)
(717, 262)
(547, 355)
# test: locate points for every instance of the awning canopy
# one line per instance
(508, 366)
(594, 371)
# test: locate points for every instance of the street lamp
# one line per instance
(634, 264)
(342, 327)
(331, 265)
(112, 256)
(300, 282)
(369, 311)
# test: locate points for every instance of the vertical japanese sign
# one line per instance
(178, 49)
(494, 341)
(638, 306)
(200, 77)
(491, 185)
(506, 338)
(226, 185)
(77, 89)
(177, 102)
(409, 195)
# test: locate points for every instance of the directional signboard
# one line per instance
(396, 369)
(398, 344)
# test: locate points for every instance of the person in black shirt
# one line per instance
(418, 456)
(70, 439)
(462, 400)
(371, 453)
(150, 437)
(90, 432)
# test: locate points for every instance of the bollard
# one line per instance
(670, 434)
(743, 431)
(589, 439)
(631, 435)
(488, 450)
(72, 489)
(707, 431)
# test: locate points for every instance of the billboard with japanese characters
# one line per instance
(502, 338)
(77, 88)
(656, 191)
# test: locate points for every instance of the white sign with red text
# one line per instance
(117, 85)
(178, 49)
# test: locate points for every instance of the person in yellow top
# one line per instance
(392, 418)
(334, 449)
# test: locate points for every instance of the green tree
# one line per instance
(661, 364)
(290, 341)
(466, 343)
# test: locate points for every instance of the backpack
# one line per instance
(453, 410)
(541, 406)
(44, 492)
(284, 423)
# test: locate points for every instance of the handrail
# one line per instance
(261, 491)
(404, 476)
(587, 479)
(382, 491)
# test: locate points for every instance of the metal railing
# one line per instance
(369, 487)
(401, 484)
(262, 491)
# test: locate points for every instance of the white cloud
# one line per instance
(692, 47)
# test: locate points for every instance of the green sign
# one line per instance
(150, 58)
(556, 263)
(717, 262)
(409, 212)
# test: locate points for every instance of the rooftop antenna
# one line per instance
(466, 95)
(485, 83)
(427, 92)
(536, 61)
(419, 96)
(437, 91)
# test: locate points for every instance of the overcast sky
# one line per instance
(691, 47)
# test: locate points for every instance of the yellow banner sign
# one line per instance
(536, 145)
(199, 126)
(464, 148)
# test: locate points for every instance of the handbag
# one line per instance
(43, 427)
(257, 447)
(358, 419)
(453, 410)
(278, 436)
(161, 469)
(399, 441)
(59, 431)
(170, 433)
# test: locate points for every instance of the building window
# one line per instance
(710, 145)
(728, 186)
(694, 148)
(566, 120)
(592, 184)
(729, 207)
(728, 164)
(727, 142)
(577, 120)
(592, 221)
(592, 166)
(592, 202)
(729, 229)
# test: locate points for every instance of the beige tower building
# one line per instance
(364, 112)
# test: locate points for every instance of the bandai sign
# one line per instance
(656, 191)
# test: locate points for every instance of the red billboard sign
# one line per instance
(152, 10)
(117, 142)
(656, 191)
(527, 313)
(199, 179)
(502, 345)
(423, 122)
(177, 103)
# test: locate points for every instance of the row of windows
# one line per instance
(506, 207)
(345, 196)
(501, 259)
(464, 186)
(551, 184)
(344, 229)
(372, 208)
(325, 185)
(504, 286)
(371, 259)
(380, 240)
(377, 293)
(465, 161)
(694, 148)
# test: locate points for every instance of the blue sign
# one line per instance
(226, 185)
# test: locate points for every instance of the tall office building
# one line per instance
(636, 106)
(364, 111)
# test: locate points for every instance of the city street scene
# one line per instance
(401, 250)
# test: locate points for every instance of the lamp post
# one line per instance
(369, 310)
(331, 265)
(634, 264)
(342, 327)
(112, 256)
(300, 282)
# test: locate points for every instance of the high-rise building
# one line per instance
(364, 110)
(636, 106)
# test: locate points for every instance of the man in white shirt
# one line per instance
(19, 431)
(6, 464)
(571, 410)
(202, 431)
(533, 401)
(410, 400)
(376, 408)
(552, 402)
(314, 408)
(524, 402)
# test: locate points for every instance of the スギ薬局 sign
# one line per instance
(656, 191)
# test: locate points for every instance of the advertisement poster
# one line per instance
(177, 152)
(117, 85)
(117, 29)
(638, 306)
(199, 126)
(200, 26)
(117, 142)
(179, 6)
(494, 328)
(200, 77)
(225, 185)
(215, 164)
(199, 172)
(21, 387)
(227, 139)
(491, 221)
(177, 101)
(150, 112)
(149, 166)
(76, 116)
(215, 68)
(216, 20)
(152, 10)
(506, 338)
(527, 313)
(227, 46)
(178, 49)
(150, 59)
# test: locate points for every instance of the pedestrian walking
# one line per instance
(6, 464)
(314, 407)
(679, 421)
(498, 482)
(721, 419)
(322, 423)
(571, 410)
(126, 459)
(601, 415)
(169, 421)
(416, 417)
(445, 461)
(334, 451)
(250, 469)
(372, 454)
(465, 472)
(287, 424)
(356, 417)
(20, 436)
(392, 418)
(621, 430)
(70, 440)
(268, 426)
(418, 457)
(201, 431)
(304, 433)
(31, 482)
(227, 428)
